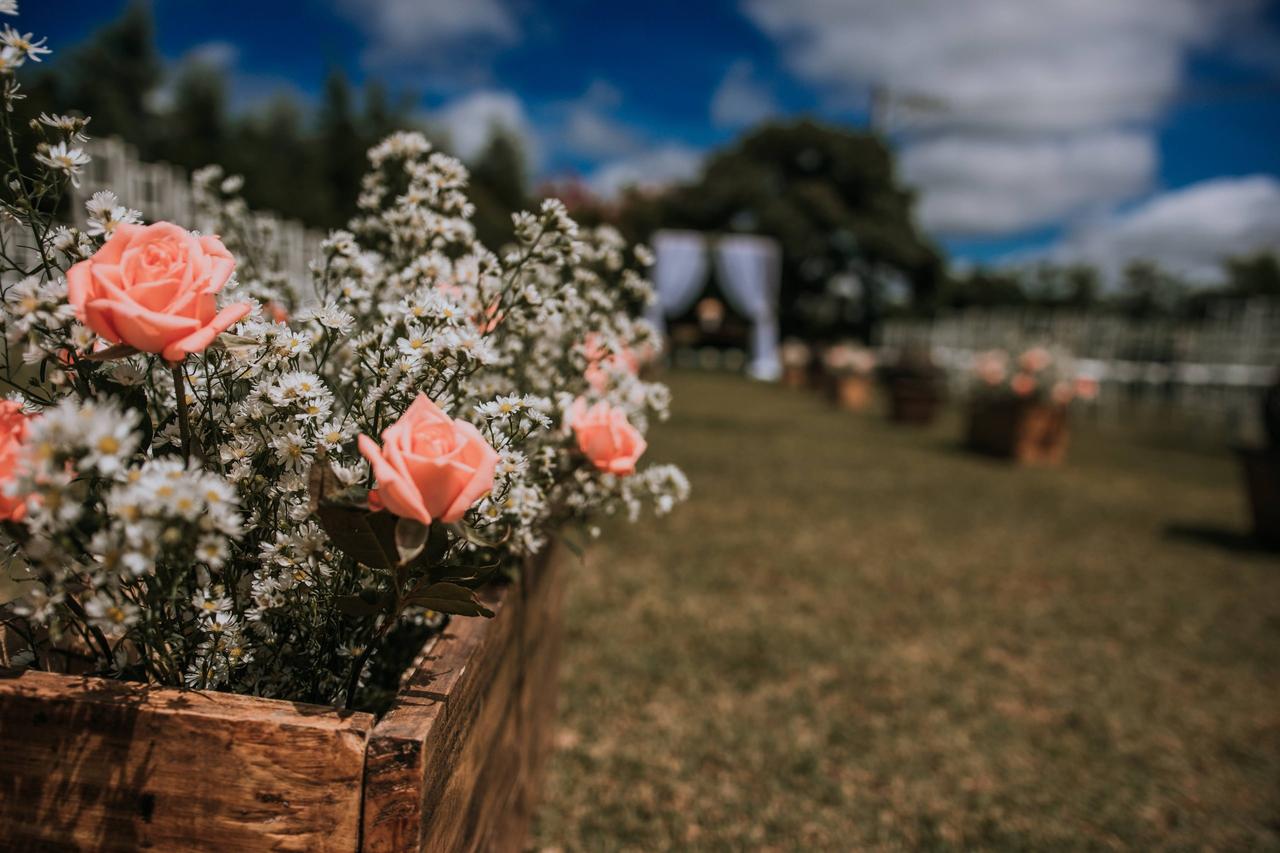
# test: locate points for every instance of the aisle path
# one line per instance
(857, 637)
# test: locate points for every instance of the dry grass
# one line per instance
(859, 637)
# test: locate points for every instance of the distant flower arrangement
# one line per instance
(1037, 374)
(848, 359)
(214, 479)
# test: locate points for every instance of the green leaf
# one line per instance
(354, 605)
(447, 597)
(465, 531)
(364, 536)
(411, 538)
(111, 353)
(322, 483)
(437, 542)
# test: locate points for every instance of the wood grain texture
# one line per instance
(93, 764)
(457, 762)
(1026, 432)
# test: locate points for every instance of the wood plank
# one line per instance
(105, 765)
(450, 764)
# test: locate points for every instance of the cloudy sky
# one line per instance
(1096, 129)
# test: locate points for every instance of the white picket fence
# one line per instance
(163, 191)
(1210, 371)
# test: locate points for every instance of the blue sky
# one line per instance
(1073, 129)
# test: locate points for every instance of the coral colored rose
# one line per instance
(600, 362)
(153, 287)
(1086, 388)
(13, 431)
(429, 466)
(279, 314)
(1023, 384)
(1063, 392)
(606, 437)
(1035, 359)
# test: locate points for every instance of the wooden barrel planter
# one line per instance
(1262, 482)
(455, 764)
(913, 401)
(1025, 431)
(795, 376)
(851, 393)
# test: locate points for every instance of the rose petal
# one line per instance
(396, 493)
(202, 337)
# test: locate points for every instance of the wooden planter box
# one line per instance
(913, 401)
(1027, 432)
(795, 377)
(456, 764)
(1262, 481)
(851, 393)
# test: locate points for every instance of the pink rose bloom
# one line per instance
(606, 437)
(1063, 392)
(1086, 388)
(153, 287)
(429, 466)
(1023, 384)
(992, 366)
(1035, 359)
(13, 432)
(600, 362)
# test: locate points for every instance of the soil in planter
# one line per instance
(390, 662)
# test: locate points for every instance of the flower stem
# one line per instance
(184, 425)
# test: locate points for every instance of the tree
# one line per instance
(111, 76)
(343, 149)
(1254, 275)
(832, 199)
(195, 127)
(499, 188)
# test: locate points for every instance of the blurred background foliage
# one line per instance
(853, 251)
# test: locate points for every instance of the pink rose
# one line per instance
(1062, 392)
(1086, 387)
(606, 437)
(600, 362)
(429, 466)
(13, 432)
(1023, 384)
(1035, 359)
(152, 287)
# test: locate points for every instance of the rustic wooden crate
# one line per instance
(914, 401)
(1025, 431)
(1262, 483)
(851, 393)
(456, 764)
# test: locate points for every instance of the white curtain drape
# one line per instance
(749, 269)
(679, 273)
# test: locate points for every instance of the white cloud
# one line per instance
(647, 169)
(1029, 80)
(411, 25)
(1188, 231)
(471, 120)
(980, 185)
(586, 128)
(740, 100)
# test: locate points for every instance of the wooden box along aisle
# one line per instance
(456, 764)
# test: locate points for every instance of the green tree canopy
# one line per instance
(832, 199)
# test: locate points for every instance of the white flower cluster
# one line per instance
(180, 518)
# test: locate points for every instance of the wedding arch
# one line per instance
(748, 269)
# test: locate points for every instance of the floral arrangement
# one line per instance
(1037, 374)
(848, 359)
(212, 477)
(795, 354)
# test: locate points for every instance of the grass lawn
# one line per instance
(856, 636)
